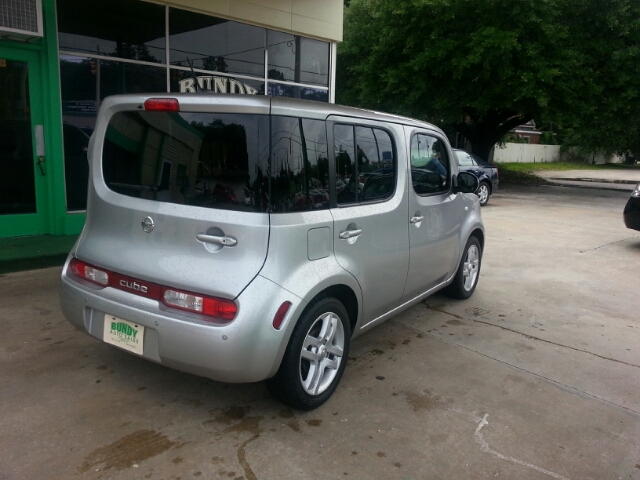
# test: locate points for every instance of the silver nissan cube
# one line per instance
(248, 238)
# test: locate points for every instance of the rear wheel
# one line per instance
(466, 279)
(483, 193)
(315, 358)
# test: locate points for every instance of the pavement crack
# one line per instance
(607, 244)
(560, 385)
(531, 337)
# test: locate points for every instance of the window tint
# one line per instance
(202, 159)
(372, 175)
(344, 147)
(300, 165)
(430, 166)
(115, 28)
(215, 44)
(297, 59)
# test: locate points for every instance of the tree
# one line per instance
(484, 67)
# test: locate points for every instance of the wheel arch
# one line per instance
(345, 295)
(479, 234)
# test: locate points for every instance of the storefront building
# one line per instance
(60, 58)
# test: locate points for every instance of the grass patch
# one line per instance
(510, 176)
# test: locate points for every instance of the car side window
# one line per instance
(430, 165)
(366, 166)
(464, 159)
(299, 165)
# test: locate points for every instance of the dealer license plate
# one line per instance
(123, 334)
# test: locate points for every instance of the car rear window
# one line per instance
(218, 160)
(201, 159)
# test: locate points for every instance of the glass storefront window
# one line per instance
(183, 81)
(114, 28)
(295, 91)
(84, 82)
(297, 59)
(214, 44)
(228, 57)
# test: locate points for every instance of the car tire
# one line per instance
(466, 279)
(315, 358)
(483, 192)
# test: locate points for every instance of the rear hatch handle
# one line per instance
(223, 241)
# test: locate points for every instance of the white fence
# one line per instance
(526, 153)
(531, 153)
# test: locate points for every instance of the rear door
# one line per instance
(435, 212)
(370, 210)
(180, 198)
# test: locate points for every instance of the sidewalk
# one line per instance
(614, 179)
(38, 251)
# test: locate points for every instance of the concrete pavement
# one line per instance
(536, 376)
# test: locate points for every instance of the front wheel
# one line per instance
(466, 279)
(315, 358)
(483, 193)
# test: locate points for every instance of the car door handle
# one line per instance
(346, 234)
(217, 240)
(416, 219)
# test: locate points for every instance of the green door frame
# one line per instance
(39, 222)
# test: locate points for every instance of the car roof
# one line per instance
(277, 105)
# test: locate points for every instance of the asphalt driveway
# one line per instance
(536, 376)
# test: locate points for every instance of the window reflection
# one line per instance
(366, 167)
(114, 28)
(84, 82)
(429, 165)
(347, 183)
(300, 164)
(215, 44)
(297, 59)
(200, 159)
(183, 81)
(293, 91)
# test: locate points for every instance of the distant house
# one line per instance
(527, 133)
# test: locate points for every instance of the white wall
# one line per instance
(526, 153)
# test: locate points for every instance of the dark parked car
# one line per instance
(487, 174)
(632, 210)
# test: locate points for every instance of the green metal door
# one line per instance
(23, 160)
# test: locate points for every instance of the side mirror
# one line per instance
(466, 183)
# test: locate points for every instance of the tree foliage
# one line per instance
(484, 67)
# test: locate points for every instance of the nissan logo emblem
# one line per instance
(147, 224)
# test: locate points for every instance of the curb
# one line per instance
(592, 180)
(32, 263)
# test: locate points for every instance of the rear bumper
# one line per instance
(632, 213)
(248, 349)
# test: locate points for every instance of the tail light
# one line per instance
(162, 105)
(89, 272)
(218, 308)
(211, 306)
